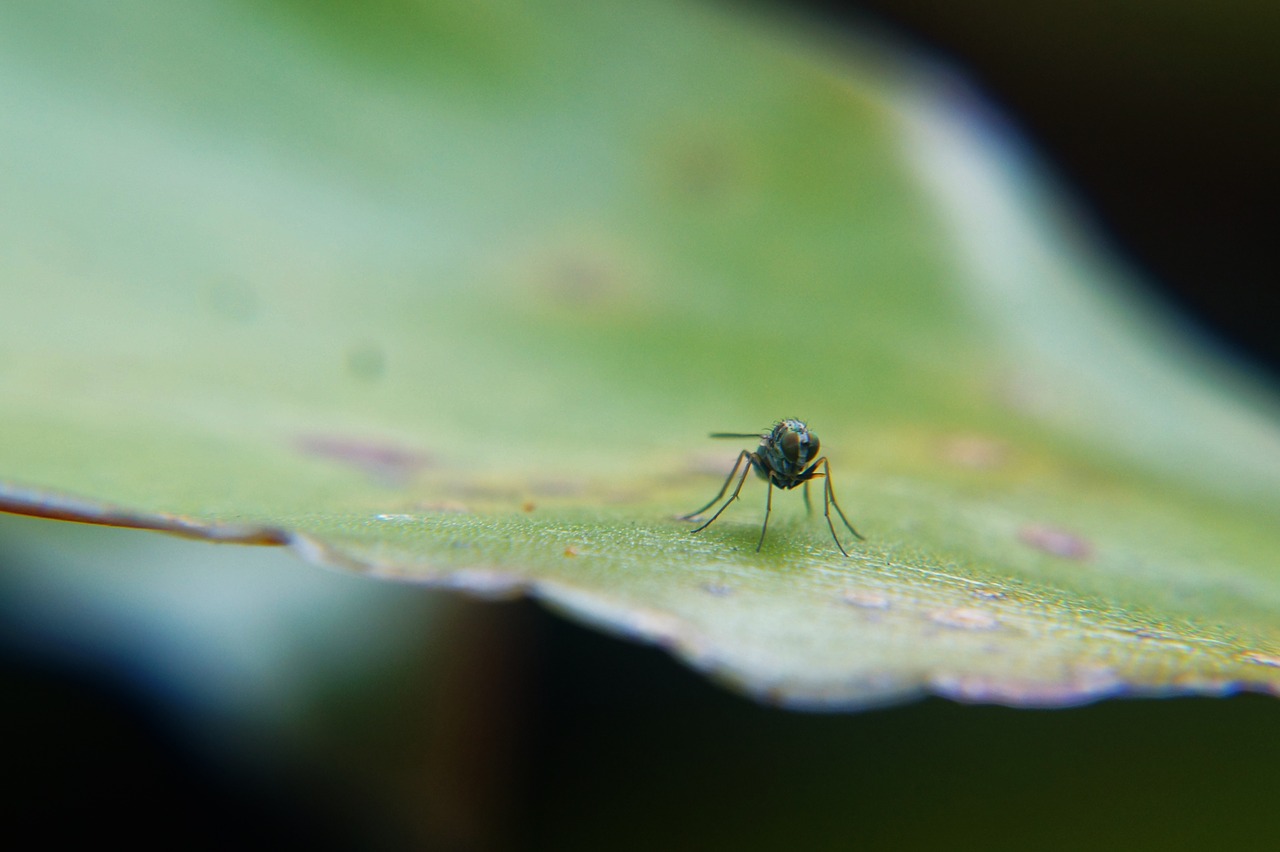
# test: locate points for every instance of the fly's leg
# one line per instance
(745, 454)
(831, 491)
(808, 507)
(768, 507)
(734, 496)
(829, 500)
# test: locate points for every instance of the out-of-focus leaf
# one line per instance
(453, 293)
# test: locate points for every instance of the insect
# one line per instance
(787, 456)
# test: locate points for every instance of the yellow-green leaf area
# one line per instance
(454, 293)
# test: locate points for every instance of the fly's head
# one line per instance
(790, 447)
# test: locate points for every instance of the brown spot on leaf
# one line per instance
(586, 278)
(366, 362)
(702, 167)
(383, 461)
(702, 162)
(528, 506)
(1055, 541)
(571, 551)
(580, 279)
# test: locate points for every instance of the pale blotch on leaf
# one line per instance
(233, 300)
(1147, 633)
(450, 507)
(1081, 685)
(707, 464)
(556, 488)
(964, 618)
(1055, 541)
(1028, 394)
(975, 451)
(718, 590)
(866, 599)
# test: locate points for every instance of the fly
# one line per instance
(787, 457)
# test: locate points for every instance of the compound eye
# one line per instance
(813, 447)
(791, 446)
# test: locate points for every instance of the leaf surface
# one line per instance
(454, 294)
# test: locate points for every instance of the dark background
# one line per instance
(1161, 117)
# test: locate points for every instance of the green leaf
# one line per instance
(453, 294)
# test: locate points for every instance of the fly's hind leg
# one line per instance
(734, 496)
(745, 454)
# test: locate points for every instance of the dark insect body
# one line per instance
(787, 457)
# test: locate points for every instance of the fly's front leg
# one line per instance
(745, 454)
(829, 500)
(734, 496)
(768, 507)
(808, 507)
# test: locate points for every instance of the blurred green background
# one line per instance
(1161, 115)
(283, 705)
